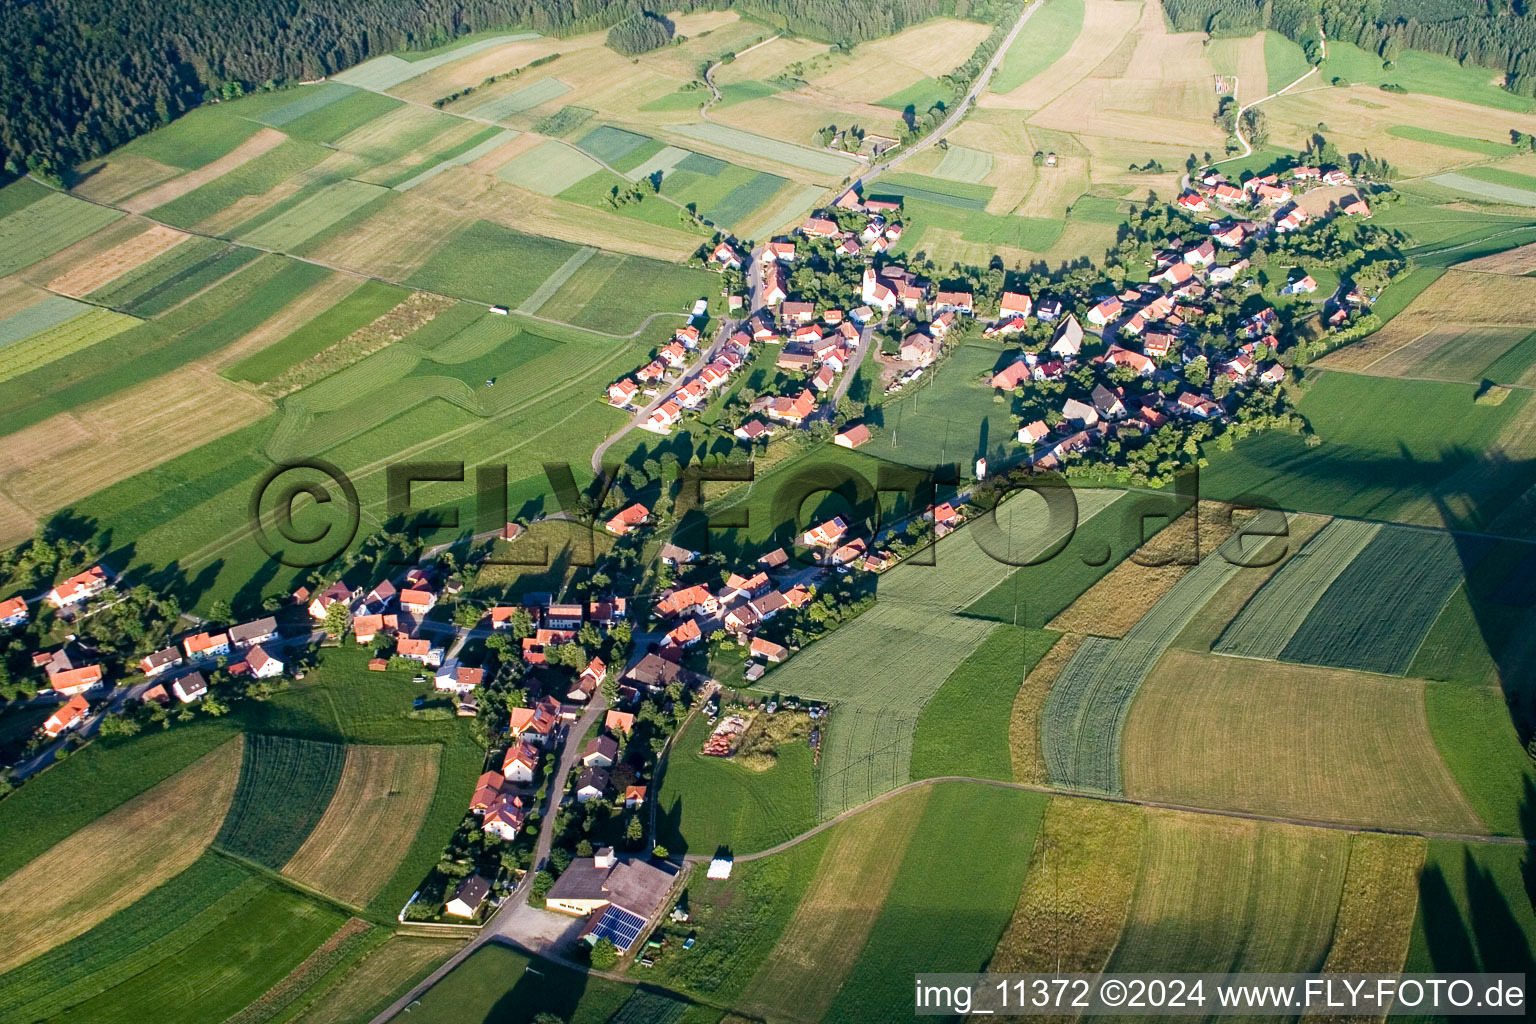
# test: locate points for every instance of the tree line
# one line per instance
(79, 78)
(1496, 34)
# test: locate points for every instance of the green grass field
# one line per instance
(93, 781)
(1371, 464)
(41, 228)
(1378, 609)
(293, 227)
(957, 193)
(335, 120)
(548, 169)
(1474, 913)
(52, 311)
(492, 264)
(252, 178)
(285, 786)
(1417, 71)
(963, 729)
(961, 164)
(371, 301)
(937, 918)
(610, 144)
(198, 137)
(815, 161)
(744, 200)
(1051, 32)
(919, 97)
(63, 340)
(1477, 741)
(704, 802)
(1283, 61)
(1418, 133)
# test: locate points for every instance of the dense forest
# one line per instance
(1496, 34)
(81, 77)
(640, 33)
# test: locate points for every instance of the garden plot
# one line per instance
(288, 230)
(383, 73)
(285, 787)
(519, 100)
(549, 169)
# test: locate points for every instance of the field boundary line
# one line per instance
(1161, 805)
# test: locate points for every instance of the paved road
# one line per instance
(514, 921)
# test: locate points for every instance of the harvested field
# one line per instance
(1078, 892)
(489, 144)
(520, 99)
(792, 206)
(1451, 352)
(371, 983)
(1497, 191)
(824, 939)
(961, 164)
(1376, 912)
(1267, 623)
(264, 140)
(474, 66)
(1115, 603)
(1029, 705)
(1224, 894)
(112, 181)
(117, 261)
(125, 853)
(1291, 741)
(72, 455)
(394, 240)
(380, 801)
(1519, 262)
(1103, 25)
(549, 169)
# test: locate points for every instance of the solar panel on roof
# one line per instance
(619, 926)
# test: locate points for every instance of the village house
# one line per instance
(13, 612)
(685, 634)
(420, 650)
(1198, 406)
(1194, 202)
(620, 896)
(622, 392)
(536, 724)
(600, 752)
(591, 784)
(825, 535)
(1117, 356)
(686, 600)
(633, 516)
(796, 314)
(457, 678)
(589, 681)
(726, 256)
(190, 687)
(752, 431)
(76, 680)
(773, 289)
(1034, 433)
(206, 646)
(366, 627)
(820, 227)
(767, 650)
(1069, 338)
(793, 411)
(536, 647)
(1108, 403)
(520, 762)
(468, 897)
(1304, 285)
(1079, 414)
(417, 601)
(852, 437)
(945, 518)
(329, 596)
(160, 661)
(261, 664)
(918, 348)
(249, 634)
(70, 715)
(634, 796)
(1202, 255)
(79, 588)
(1105, 311)
(952, 302)
(504, 818)
(664, 417)
(779, 252)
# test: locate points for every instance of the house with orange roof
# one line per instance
(79, 588)
(773, 288)
(70, 715)
(520, 762)
(820, 227)
(619, 722)
(685, 634)
(206, 646)
(634, 796)
(687, 599)
(673, 354)
(651, 372)
(487, 791)
(366, 627)
(504, 819)
(620, 392)
(1012, 375)
(420, 650)
(852, 437)
(534, 647)
(823, 378)
(767, 650)
(664, 417)
(779, 252)
(1105, 311)
(825, 535)
(1118, 356)
(76, 680)
(1034, 433)
(793, 411)
(1014, 304)
(633, 516)
(589, 681)
(13, 612)
(726, 256)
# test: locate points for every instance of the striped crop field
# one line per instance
(63, 339)
(519, 100)
(313, 215)
(1378, 610)
(285, 786)
(610, 144)
(1085, 713)
(816, 161)
(961, 164)
(40, 229)
(480, 145)
(37, 318)
(1272, 616)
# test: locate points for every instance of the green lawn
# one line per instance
(1283, 61)
(705, 802)
(1417, 133)
(963, 729)
(940, 916)
(1035, 234)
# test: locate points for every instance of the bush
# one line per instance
(604, 954)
